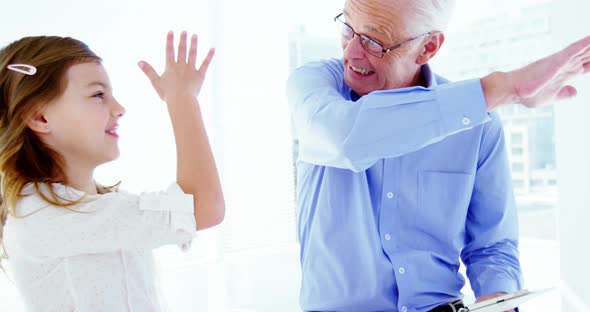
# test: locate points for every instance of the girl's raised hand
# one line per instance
(180, 78)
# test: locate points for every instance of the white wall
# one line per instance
(573, 162)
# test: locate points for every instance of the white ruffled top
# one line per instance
(96, 255)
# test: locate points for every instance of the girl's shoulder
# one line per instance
(35, 199)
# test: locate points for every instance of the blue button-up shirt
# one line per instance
(394, 188)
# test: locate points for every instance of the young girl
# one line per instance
(73, 245)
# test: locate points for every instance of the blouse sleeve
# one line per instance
(104, 223)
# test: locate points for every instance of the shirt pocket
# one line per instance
(443, 202)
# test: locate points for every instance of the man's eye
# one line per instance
(374, 44)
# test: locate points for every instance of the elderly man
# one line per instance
(399, 173)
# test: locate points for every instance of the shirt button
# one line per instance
(402, 270)
(387, 237)
(390, 195)
(404, 309)
(466, 121)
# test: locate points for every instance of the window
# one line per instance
(517, 167)
(517, 151)
(524, 37)
(516, 139)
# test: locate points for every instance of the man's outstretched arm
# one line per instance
(354, 135)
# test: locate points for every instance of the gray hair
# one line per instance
(432, 14)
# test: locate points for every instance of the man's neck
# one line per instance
(419, 78)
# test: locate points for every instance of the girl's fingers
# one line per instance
(207, 61)
(182, 48)
(152, 75)
(149, 71)
(192, 54)
(169, 49)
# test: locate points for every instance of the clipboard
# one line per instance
(505, 302)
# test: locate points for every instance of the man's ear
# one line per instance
(39, 124)
(430, 47)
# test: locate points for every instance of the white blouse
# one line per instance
(97, 255)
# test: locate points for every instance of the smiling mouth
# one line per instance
(112, 132)
(362, 71)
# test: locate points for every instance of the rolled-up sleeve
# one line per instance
(336, 132)
(104, 223)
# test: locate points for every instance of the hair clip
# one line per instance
(23, 69)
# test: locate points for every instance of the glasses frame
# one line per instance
(365, 38)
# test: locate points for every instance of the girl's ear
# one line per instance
(39, 124)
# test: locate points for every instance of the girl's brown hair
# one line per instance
(24, 158)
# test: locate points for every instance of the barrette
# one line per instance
(23, 69)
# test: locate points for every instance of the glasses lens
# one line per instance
(371, 46)
(344, 29)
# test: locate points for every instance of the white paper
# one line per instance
(505, 302)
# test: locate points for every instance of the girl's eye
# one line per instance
(99, 95)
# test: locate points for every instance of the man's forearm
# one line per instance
(336, 132)
(498, 90)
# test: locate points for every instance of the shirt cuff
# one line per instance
(462, 105)
(496, 285)
(179, 205)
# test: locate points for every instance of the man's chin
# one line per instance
(360, 90)
(359, 87)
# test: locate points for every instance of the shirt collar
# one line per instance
(64, 192)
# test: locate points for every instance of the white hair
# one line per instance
(432, 14)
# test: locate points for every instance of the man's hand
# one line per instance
(486, 297)
(543, 81)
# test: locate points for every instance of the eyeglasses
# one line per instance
(369, 44)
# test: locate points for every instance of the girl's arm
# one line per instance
(179, 87)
